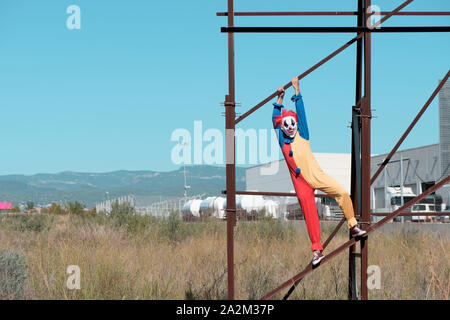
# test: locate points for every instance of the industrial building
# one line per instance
(415, 169)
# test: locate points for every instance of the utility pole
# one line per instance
(186, 187)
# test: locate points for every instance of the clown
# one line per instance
(306, 173)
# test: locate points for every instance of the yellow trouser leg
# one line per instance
(330, 186)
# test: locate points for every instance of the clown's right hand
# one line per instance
(295, 85)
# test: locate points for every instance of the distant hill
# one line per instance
(89, 188)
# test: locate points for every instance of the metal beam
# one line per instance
(366, 117)
(230, 115)
(334, 13)
(273, 194)
(334, 29)
(349, 243)
(294, 13)
(356, 157)
(419, 214)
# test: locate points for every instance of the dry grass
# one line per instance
(154, 259)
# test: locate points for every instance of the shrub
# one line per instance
(34, 222)
(55, 209)
(172, 227)
(30, 205)
(124, 215)
(13, 274)
(15, 209)
(75, 208)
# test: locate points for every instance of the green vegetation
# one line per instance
(13, 274)
(27, 222)
(56, 209)
(75, 208)
(30, 205)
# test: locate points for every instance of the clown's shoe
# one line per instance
(357, 232)
(318, 256)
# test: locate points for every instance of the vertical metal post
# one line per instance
(401, 185)
(230, 115)
(356, 159)
(366, 116)
(386, 205)
(355, 192)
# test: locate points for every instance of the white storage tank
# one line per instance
(207, 207)
(186, 210)
(250, 202)
(219, 208)
(195, 208)
(191, 209)
(249, 205)
(271, 208)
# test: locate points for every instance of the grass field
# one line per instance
(132, 257)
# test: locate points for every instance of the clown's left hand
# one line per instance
(280, 93)
(295, 85)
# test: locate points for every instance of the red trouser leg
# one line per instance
(305, 195)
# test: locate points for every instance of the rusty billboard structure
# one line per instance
(361, 132)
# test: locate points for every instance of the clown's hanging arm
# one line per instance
(278, 107)
(300, 108)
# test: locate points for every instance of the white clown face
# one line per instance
(289, 126)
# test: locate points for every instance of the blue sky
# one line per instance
(107, 97)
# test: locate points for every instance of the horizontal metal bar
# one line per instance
(273, 194)
(334, 13)
(295, 13)
(334, 29)
(419, 214)
(351, 242)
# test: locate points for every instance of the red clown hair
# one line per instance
(279, 119)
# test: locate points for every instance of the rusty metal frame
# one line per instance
(361, 118)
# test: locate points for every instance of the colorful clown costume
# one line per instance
(306, 173)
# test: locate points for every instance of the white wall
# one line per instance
(337, 165)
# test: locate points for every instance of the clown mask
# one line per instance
(289, 126)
